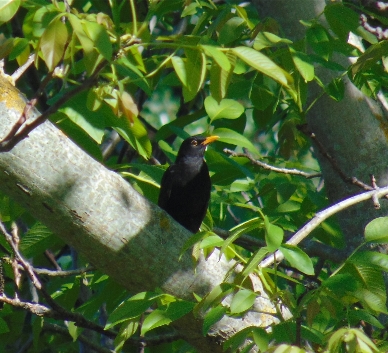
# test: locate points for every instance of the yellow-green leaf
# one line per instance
(264, 64)
(53, 42)
(8, 9)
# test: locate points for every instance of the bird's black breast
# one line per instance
(185, 193)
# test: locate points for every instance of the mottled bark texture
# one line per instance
(353, 131)
(116, 229)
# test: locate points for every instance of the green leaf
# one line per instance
(131, 308)
(261, 338)
(53, 42)
(297, 258)
(303, 63)
(370, 57)
(262, 63)
(195, 73)
(8, 9)
(254, 261)
(320, 40)
(268, 39)
(370, 258)
(77, 134)
(74, 331)
(376, 231)
(342, 20)
(235, 341)
(234, 138)
(100, 38)
(357, 315)
(37, 240)
(242, 301)
(211, 241)
(336, 89)
(227, 108)
(134, 133)
(237, 231)
(195, 238)
(212, 316)
(92, 122)
(273, 235)
(180, 69)
(127, 330)
(216, 295)
(219, 57)
(165, 315)
(231, 30)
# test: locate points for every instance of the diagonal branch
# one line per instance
(322, 216)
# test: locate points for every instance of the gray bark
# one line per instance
(353, 131)
(116, 229)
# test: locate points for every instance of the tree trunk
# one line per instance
(354, 131)
(116, 229)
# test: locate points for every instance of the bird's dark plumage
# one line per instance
(185, 187)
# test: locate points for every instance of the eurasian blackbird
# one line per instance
(185, 188)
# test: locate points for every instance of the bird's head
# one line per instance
(195, 146)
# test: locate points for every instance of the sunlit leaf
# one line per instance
(219, 57)
(128, 107)
(166, 314)
(297, 258)
(273, 235)
(242, 301)
(53, 42)
(231, 30)
(227, 108)
(234, 138)
(376, 231)
(263, 64)
(8, 9)
(304, 64)
(180, 69)
(131, 308)
(100, 38)
(195, 66)
(213, 316)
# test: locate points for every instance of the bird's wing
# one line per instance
(166, 186)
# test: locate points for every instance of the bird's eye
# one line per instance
(194, 143)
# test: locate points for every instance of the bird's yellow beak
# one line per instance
(209, 140)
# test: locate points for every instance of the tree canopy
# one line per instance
(290, 254)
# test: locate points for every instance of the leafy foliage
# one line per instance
(241, 80)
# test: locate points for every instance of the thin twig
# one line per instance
(60, 273)
(322, 216)
(271, 167)
(22, 69)
(321, 148)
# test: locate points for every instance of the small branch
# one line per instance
(19, 133)
(60, 273)
(65, 332)
(22, 69)
(333, 162)
(377, 31)
(272, 168)
(27, 267)
(322, 216)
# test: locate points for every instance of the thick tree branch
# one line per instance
(120, 232)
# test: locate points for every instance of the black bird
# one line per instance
(185, 188)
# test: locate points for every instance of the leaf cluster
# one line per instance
(169, 69)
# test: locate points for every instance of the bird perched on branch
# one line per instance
(185, 188)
